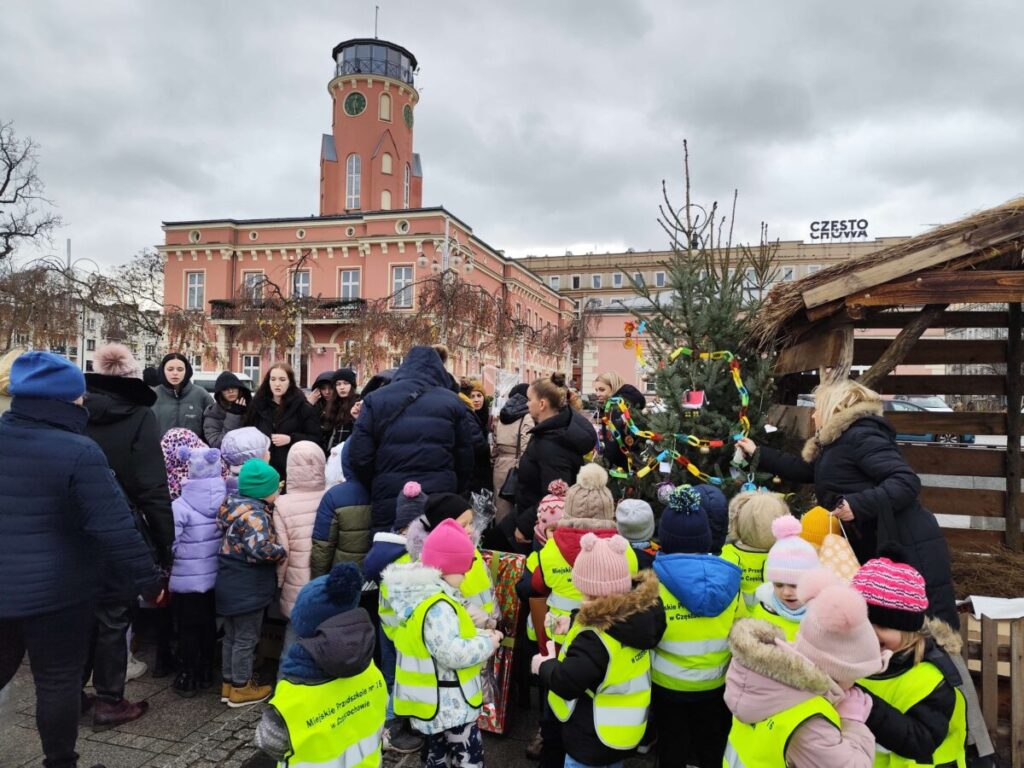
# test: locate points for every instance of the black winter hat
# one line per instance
(443, 506)
(182, 358)
(345, 374)
(228, 380)
(325, 378)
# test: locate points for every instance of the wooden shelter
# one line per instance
(964, 275)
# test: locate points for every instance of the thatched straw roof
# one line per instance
(787, 303)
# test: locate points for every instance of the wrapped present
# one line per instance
(506, 570)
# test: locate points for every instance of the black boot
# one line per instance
(204, 677)
(165, 662)
(185, 685)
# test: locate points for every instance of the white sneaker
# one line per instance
(136, 668)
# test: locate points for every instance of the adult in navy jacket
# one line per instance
(61, 517)
(415, 428)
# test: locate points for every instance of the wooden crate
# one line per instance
(994, 652)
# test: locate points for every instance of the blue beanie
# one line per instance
(684, 523)
(326, 596)
(714, 503)
(46, 376)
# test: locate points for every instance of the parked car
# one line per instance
(901, 405)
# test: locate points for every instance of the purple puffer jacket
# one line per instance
(196, 535)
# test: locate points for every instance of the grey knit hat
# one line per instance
(589, 498)
(635, 520)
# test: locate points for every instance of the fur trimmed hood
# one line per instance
(835, 428)
(767, 675)
(944, 635)
(636, 618)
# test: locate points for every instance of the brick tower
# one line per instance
(367, 162)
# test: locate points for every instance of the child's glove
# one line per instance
(557, 625)
(480, 619)
(856, 706)
(496, 638)
(540, 658)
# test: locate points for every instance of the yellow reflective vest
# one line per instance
(763, 744)
(906, 690)
(751, 563)
(622, 700)
(758, 611)
(693, 654)
(416, 682)
(476, 588)
(564, 597)
(336, 724)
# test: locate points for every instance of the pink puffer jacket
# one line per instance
(294, 516)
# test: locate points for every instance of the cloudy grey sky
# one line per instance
(546, 125)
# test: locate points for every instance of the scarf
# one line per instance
(787, 613)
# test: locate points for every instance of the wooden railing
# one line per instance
(994, 650)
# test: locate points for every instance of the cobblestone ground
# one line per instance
(191, 733)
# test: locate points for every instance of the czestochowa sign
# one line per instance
(839, 229)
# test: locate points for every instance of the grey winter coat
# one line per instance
(183, 409)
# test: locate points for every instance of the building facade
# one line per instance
(372, 242)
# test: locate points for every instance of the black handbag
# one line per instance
(510, 487)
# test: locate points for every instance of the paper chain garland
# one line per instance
(626, 442)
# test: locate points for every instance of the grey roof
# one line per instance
(327, 149)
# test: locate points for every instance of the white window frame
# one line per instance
(308, 288)
(252, 285)
(577, 281)
(384, 112)
(250, 369)
(595, 281)
(638, 278)
(385, 199)
(195, 290)
(617, 278)
(554, 281)
(813, 269)
(386, 163)
(197, 361)
(353, 181)
(659, 279)
(788, 273)
(406, 186)
(344, 285)
(401, 286)
(90, 345)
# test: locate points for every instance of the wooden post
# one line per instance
(844, 358)
(990, 673)
(1013, 428)
(1017, 693)
(902, 344)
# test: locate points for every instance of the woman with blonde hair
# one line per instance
(607, 386)
(860, 474)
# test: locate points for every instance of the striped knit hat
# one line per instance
(790, 556)
(894, 591)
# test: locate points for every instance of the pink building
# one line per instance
(373, 240)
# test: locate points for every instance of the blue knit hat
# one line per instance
(684, 523)
(326, 596)
(46, 376)
(714, 503)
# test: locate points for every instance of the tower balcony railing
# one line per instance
(313, 308)
(370, 66)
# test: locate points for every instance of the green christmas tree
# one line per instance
(714, 288)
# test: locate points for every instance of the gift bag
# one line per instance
(836, 554)
(506, 569)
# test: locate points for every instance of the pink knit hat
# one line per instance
(835, 632)
(601, 567)
(894, 591)
(448, 548)
(116, 360)
(550, 509)
(790, 556)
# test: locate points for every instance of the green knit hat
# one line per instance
(257, 480)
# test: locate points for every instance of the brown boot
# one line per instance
(250, 693)
(108, 714)
(225, 692)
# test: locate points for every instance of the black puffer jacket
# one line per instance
(613, 455)
(636, 620)
(431, 441)
(855, 458)
(298, 420)
(918, 732)
(122, 424)
(555, 452)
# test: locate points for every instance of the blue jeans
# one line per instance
(570, 762)
(388, 660)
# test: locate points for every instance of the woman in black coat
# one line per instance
(859, 472)
(556, 449)
(606, 387)
(230, 408)
(280, 411)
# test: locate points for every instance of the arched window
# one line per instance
(384, 111)
(385, 200)
(353, 175)
(406, 182)
(385, 163)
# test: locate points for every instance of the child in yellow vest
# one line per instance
(600, 685)
(788, 560)
(750, 536)
(328, 669)
(440, 651)
(796, 705)
(918, 715)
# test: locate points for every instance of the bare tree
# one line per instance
(24, 212)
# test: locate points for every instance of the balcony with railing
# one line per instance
(312, 308)
(375, 57)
